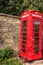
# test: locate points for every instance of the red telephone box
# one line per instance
(31, 35)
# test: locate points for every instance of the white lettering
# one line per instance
(25, 15)
(36, 15)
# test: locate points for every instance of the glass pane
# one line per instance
(36, 43)
(36, 22)
(23, 50)
(36, 39)
(24, 42)
(24, 22)
(36, 35)
(36, 30)
(24, 38)
(24, 34)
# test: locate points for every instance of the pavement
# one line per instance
(38, 62)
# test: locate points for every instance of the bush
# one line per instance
(6, 53)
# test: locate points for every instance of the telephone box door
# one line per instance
(37, 39)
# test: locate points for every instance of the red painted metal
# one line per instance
(31, 35)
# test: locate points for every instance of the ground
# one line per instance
(38, 62)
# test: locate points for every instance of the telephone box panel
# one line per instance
(31, 35)
(42, 42)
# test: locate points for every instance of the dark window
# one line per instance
(24, 22)
(36, 39)
(23, 50)
(36, 43)
(37, 51)
(36, 47)
(24, 29)
(36, 34)
(36, 30)
(24, 42)
(36, 26)
(24, 38)
(24, 34)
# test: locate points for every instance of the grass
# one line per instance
(7, 57)
(6, 53)
(13, 61)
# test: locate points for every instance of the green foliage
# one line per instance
(16, 7)
(11, 62)
(7, 58)
(6, 53)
